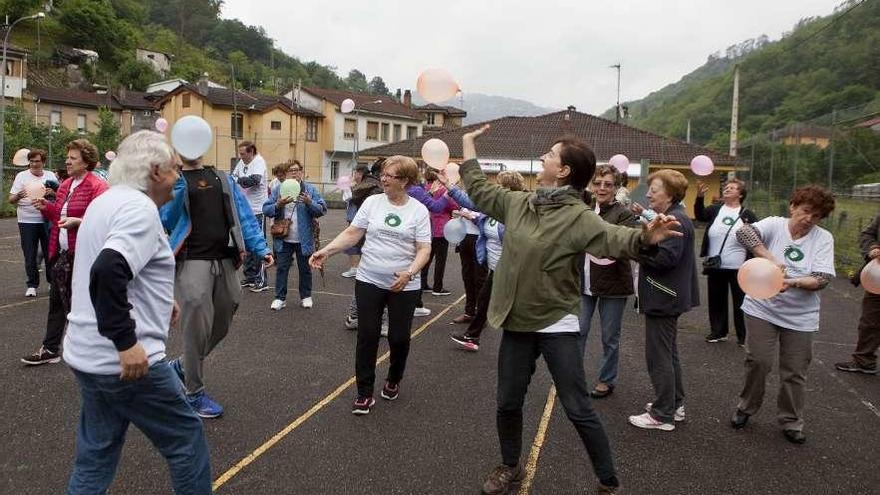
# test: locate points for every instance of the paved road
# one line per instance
(285, 379)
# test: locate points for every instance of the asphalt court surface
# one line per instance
(285, 379)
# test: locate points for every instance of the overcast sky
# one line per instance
(551, 52)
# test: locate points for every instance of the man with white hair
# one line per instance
(121, 310)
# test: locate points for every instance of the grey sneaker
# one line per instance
(679, 411)
(855, 367)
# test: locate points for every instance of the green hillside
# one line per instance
(824, 64)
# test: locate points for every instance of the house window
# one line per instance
(350, 129)
(412, 132)
(396, 132)
(430, 119)
(276, 125)
(237, 123)
(186, 100)
(334, 170)
(372, 131)
(386, 131)
(55, 118)
(81, 122)
(311, 129)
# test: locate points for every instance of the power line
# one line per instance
(831, 23)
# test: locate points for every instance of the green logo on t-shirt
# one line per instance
(392, 220)
(492, 222)
(793, 253)
(728, 221)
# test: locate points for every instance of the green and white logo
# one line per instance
(492, 222)
(392, 220)
(728, 221)
(793, 253)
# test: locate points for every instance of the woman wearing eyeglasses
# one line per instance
(397, 246)
(607, 283)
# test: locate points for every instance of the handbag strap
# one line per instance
(729, 229)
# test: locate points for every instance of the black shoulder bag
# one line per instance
(714, 262)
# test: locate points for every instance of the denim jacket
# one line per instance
(244, 231)
(304, 216)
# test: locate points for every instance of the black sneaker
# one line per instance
(855, 367)
(715, 340)
(390, 392)
(502, 479)
(42, 356)
(440, 292)
(260, 287)
(467, 343)
(362, 405)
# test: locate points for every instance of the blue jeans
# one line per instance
(284, 257)
(253, 264)
(156, 405)
(34, 235)
(610, 318)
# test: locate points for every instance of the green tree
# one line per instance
(93, 24)
(377, 87)
(108, 135)
(135, 74)
(356, 81)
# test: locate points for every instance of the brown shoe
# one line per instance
(608, 490)
(462, 319)
(501, 480)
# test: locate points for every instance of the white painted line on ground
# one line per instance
(22, 303)
(865, 402)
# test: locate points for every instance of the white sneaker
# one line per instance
(30, 292)
(679, 412)
(384, 330)
(277, 305)
(422, 312)
(649, 423)
(307, 302)
(350, 273)
(351, 323)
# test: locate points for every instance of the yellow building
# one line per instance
(439, 117)
(517, 143)
(281, 130)
(78, 110)
(803, 134)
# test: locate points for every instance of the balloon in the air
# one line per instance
(191, 136)
(343, 182)
(620, 162)
(435, 153)
(161, 125)
(702, 165)
(436, 85)
(455, 230)
(110, 155)
(452, 173)
(760, 278)
(20, 158)
(347, 105)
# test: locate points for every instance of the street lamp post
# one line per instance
(38, 15)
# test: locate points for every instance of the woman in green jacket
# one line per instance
(536, 294)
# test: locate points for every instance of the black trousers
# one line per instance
(664, 367)
(719, 283)
(479, 322)
(439, 252)
(371, 303)
(61, 272)
(472, 273)
(516, 364)
(33, 235)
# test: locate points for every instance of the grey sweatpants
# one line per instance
(208, 292)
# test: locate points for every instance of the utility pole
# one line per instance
(770, 187)
(617, 108)
(797, 151)
(734, 111)
(831, 151)
(689, 132)
(234, 118)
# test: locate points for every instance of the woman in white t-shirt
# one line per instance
(720, 246)
(806, 254)
(397, 246)
(32, 226)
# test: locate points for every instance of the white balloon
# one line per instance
(436, 85)
(452, 173)
(347, 105)
(435, 153)
(455, 230)
(20, 158)
(191, 136)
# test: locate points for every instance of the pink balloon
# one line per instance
(20, 158)
(347, 105)
(870, 277)
(702, 165)
(343, 182)
(435, 153)
(760, 278)
(161, 125)
(452, 173)
(620, 162)
(110, 155)
(600, 261)
(436, 85)
(35, 190)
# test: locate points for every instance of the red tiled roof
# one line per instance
(526, 138)
(364, 102)
(137, 100)
(74, 97)
(869, 122)
(245, 100)
(446, 109)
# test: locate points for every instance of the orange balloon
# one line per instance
(436, 85)
(760, 278)
(452, 173)
(35, 190)
(435, 153)
(870, 277)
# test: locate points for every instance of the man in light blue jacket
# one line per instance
(299, 240)
(212, 229)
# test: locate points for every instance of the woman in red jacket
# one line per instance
(64, 216)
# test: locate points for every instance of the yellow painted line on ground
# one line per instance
(532, 464)
(234, 470)
(22, 303)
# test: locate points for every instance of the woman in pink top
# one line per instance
(439, 244)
